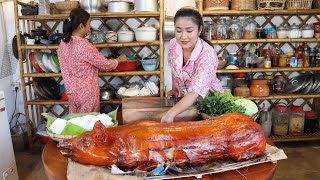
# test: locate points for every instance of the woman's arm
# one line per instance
(181, 106)
(173, 90)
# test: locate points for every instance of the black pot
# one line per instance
(39, 34)
(56, 37)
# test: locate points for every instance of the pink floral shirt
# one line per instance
(80, 62)
(199, 73)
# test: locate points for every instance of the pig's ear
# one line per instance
(100, 134)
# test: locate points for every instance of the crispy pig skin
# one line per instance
(145, 144)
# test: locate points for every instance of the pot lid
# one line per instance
(307, 27)
(125, 32)
(146, 28)
(296, 83)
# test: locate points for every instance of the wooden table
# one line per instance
(55, 166)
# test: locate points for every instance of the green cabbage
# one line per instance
(250, 106)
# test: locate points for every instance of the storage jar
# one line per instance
(282, 61)
(280, 120)
(307, 31)
(294, 31)
(311, 121)
(220, 29)
(238, 79)
(234, 30)
(316, 29)
(208, 29)
(242, 90)
(282, 32)
(270, 82)
(296, 120)
(259, 88)
(225, 80)
(249, 29)
(280, 84)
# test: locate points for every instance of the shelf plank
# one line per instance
(58, 102)
(61, 17)
(275, 69)
(304, 137)
(286, 96)
(104, 45)
(261, 12)
(275, 40)
(128, 73)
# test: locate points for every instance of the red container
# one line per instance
(129, 65)
(317, 29)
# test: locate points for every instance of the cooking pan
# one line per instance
(50, 87)
(37, 90)
(15, 47)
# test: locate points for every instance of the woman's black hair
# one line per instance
(195, 17)
(77, 16)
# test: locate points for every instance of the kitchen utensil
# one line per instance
(150, 64)
(97, 36)
(37, 90)
(146, 5)
(168, 28)
(296, 83)
(38, 56)
(15, 47)
(56, 37)
(125, 36)
(39, 34)
(34, 62)
(50, 87)
(146, 33)
(117, 5)
(126, 66)
(111, 37)
(91, 6)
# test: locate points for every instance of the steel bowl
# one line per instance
(91, 6)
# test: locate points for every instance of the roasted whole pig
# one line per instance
(146, 144)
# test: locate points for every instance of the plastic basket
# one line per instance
(150, 64)
(271, 4)
(126, 66)
(243, 4)
(299, 4)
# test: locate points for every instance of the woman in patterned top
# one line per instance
(193, 62)
(80, 62)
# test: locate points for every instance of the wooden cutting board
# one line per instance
(152, 108)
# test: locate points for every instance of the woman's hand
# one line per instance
(122, 58)
(167, 118)
(171, 93)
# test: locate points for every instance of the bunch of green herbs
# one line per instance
(217, 103)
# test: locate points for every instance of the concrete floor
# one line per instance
(303, 162)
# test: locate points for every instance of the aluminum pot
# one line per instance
(118, 6)
(168, 28)
(125, 36)
(91, 6)
(146, 5)
(146, 33)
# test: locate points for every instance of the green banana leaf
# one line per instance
(72, 129)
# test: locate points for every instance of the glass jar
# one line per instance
(260, 33)
(270, 82)
(271, 33)
(267, 62)
(242, 90)
(241, 63)
(296, 120)
(307, 31)
(280, 84)
(234, 30)
(260, 62)
(238, 79)
(280, 120)
(294, 31)
(282, 61)
(282, 32)
(208, 30)
(232, 59)
(220, 29)
(311, 121)
(306, 58)
(249, 29)
(259, 88)
(225, 80)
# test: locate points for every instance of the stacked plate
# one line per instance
(46, 88)
(304, 83)
(44, 62)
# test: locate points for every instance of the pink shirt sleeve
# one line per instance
(95, 58)
(205, 78)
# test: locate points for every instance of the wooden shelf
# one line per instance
(130, 44)
(304, 137)
(275, 69)
(128, 73)
(276, 40)
(261, 12)
(286, 96)
(59, 102)
(62, 17)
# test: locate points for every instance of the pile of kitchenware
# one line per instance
(304, 83)
(149, 88)
(46, 88)
(41, 36)
(125, 5)
(44, 62)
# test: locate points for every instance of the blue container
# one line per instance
(150, 64)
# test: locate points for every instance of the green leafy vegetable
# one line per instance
(217, 103)
(250, 106)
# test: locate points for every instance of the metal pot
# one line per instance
(168, 28)
(107, 94)
(91, 6)
(146, 33)
(118, 6)
(146, 5)
(56, 37)
(39, 34)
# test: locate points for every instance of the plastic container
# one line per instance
(282, 32)
(242, 90)
(265, 121)
(226, 80)
(307, 31)
(311, 121)
(150, 64)
(239, 79)
(126, 66)
(280, 120)
(296, 120)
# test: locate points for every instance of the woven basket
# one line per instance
(316, 4)
(270, 4)
(243, 4)
(60, 138)
(299, 4)
(66, 6)
(216, 4)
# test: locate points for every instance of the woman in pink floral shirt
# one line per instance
(80, 62)
(193, 62)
